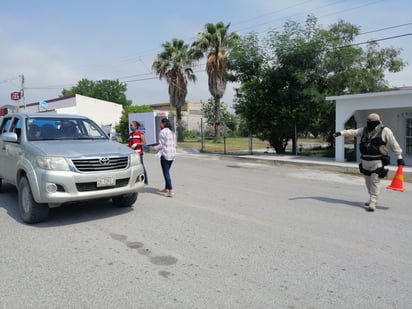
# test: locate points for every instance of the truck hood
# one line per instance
(76, 148)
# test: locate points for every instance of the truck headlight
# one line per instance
(53, 163)
(134, 159)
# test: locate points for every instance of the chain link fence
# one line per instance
(230, 140)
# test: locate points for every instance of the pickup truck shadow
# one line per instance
(64, 215)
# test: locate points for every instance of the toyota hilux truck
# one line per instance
(55, 159)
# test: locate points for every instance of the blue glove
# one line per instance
(401, 162)
(146, 147)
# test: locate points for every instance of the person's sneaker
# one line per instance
(169, 193)
(372, 206)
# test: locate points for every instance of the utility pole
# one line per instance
(22, 91)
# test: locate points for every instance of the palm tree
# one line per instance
(216, 42)
(175, 64)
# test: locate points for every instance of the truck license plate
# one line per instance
(108, 181)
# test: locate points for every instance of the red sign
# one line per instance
(15, 96)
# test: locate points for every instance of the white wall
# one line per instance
(67, 110)
(52, 105)
(193, 117)
(100, 111)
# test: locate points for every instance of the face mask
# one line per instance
(371, 125)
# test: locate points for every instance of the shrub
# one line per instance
(190, 135)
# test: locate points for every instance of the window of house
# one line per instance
(408, 149)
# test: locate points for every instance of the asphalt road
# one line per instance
(235, 235)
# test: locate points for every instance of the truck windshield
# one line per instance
(58, 128)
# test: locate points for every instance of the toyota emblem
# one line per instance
(104, 161)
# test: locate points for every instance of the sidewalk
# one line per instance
(259, 156)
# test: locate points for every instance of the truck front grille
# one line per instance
(92, 186)
(101, 164)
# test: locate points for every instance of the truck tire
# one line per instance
(30, 211)
(1, 184)
(125, 200)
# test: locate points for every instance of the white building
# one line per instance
(102, 112)
(191, 113)
(393, 106)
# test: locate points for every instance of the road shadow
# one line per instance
(331, 200)
(66, 214)
(83, 212)
(152, 190)
(8, 200)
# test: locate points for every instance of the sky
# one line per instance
(50, 45)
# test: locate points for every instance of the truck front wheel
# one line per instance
(125, 200)
(30, 211)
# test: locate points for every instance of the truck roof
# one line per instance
(48, 115)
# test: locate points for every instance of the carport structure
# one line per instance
(395, 108)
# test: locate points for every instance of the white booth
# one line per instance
(149, 124)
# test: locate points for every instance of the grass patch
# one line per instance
(241, 144)
(233, 144)
(327, 152)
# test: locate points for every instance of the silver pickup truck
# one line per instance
(56, 159)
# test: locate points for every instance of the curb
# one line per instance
(346, 168)
(307, 162)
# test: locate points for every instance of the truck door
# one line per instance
(10, 151)
(4, 127)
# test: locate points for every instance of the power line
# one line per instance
(382, 39)
(130, 78)
(355, 44)
(273, 12)
(8, 80)
(138, 58)
(50, 87)
(290, 16)
(198, 71)
(387, 28)
(155, 77)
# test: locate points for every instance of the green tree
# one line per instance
(352, 69)
(108, 90)
(175, 64)
(216, 42)
(123, 127)
(246, 59)
(208, 110)
(296, 70)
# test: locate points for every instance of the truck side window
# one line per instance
(5, 125)
(16, 127)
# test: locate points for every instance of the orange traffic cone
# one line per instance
(397, 181)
